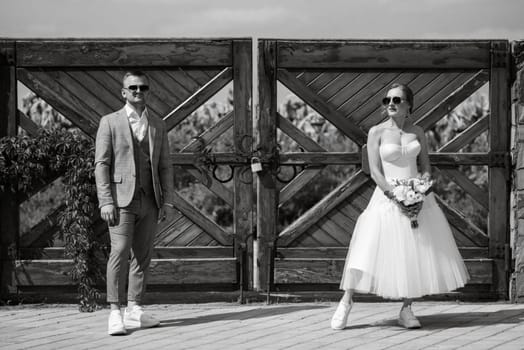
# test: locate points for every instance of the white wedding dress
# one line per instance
(387, 257)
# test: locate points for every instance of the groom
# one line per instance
(134, 181)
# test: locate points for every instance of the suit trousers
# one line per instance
(131, 247)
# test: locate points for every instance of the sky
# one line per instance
(290, 19)
(300, 19)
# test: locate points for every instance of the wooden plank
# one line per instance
(332, 200)
(41, 233)
(309, 253)
(184, 80)
(219, 189)
(324, 271)
(344, 223)
(456, 159)
(27, 124)
(348, 92)
(322, 107)
(161, 271)
(178, 237)
(208, 136)
(243, 143)
(298, 135)
(201, 77)
(299, 182)
(499, 176)
(192, 271)
(451, 101)
(192, 252)
(308, 77)
(198, 218)
(335, 232)
(56, 96)
(340, 84)
(324, 79)
(425, 98)
(349, 210)
(108, 87)
(466, 136)
(202, 239)
(166, 228)
(478, 194)
(307, 174)
(198, 98)
(468, 229)
(307, 239)
(167, 89)
(123, 52)
(110, 98)
(187, 236)
(208, 252)
(319, 158)
(380, 54)
(267, 190)
(9, 224)
(89, 97)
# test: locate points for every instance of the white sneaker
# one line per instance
(137, 318)
(340, 317)
(115, 326)
(407, 319)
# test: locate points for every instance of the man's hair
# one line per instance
(134, 73)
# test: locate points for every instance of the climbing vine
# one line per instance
(25, 161)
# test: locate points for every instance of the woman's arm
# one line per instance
(423, 157)
(375, 166)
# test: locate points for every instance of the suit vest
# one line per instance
(144, 175)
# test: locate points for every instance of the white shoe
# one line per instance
(115, 326)
(340, 317)
(137, 318)
(407, 319)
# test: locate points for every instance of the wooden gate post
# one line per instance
(499, 127)
(8, 201)
(518, 195)
(243, 131)
(267, 191)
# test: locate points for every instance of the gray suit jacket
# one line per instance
(115, 170)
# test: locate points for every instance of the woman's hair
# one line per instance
(408, 93)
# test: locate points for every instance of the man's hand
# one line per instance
(109, 214)
(166, 212)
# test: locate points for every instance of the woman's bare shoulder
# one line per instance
(376, 130)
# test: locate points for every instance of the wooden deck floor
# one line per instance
(446, 325)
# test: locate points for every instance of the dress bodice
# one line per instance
(399, 161)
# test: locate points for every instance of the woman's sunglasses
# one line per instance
(142, 88)
(396, 100)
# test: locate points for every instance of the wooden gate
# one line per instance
(81, 79)
(344, 82)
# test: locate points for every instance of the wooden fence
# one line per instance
(344, 82)
(341, 80)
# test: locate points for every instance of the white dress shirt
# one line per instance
(138, 124)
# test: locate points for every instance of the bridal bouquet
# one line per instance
(410, 193)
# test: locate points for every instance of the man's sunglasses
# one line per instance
(142, 88)
(396, 100)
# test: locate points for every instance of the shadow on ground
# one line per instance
(454, 320)
(241, 315)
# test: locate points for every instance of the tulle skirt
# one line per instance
(388, 258)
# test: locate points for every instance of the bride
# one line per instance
(387, 256)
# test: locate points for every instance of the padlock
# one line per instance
(256, 166)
